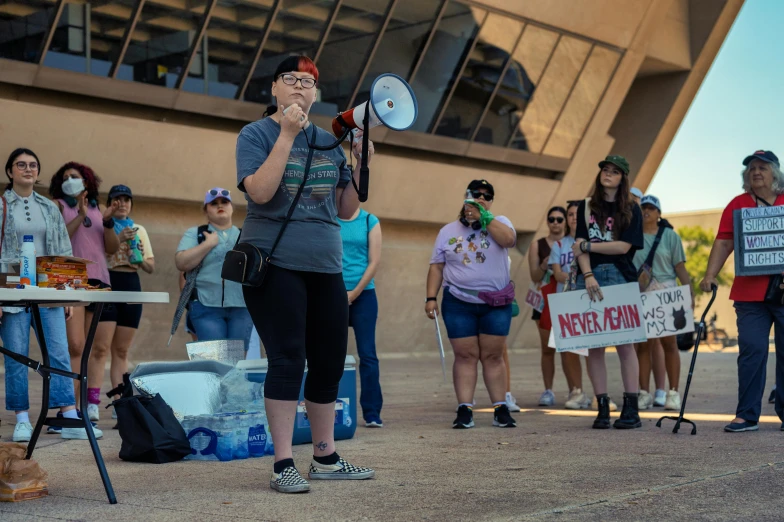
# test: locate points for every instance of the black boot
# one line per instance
(602, 421)
(630, 415)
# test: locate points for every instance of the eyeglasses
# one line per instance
(223, 192)
(555, 220)
(21, 165)
(290, 79)
(476, 194)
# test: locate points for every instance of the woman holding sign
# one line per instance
(609, 232)
(758, 299)
(664, 259)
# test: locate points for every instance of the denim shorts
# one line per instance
(606, 275)
(464, 319)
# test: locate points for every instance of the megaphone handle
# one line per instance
(364, 171)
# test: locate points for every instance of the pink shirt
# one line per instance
(87, 242)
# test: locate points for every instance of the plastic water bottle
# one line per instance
(241, 427)
(202, 438)
(135, 256)
(27, 275)
(257, 435)
(224, 428)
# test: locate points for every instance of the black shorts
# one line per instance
(536, 315)
(128, 315)
(109, 314)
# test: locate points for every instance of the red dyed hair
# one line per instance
(306, 65)
(300, 63)
(91, 181)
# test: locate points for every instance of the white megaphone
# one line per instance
(392, 104)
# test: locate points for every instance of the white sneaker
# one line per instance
(578, 400)
(644, 401)
(22, 432)
(660, 398)
(80, 433)
(673, 401)
(595, 404)
(511, 402)
(93, 413)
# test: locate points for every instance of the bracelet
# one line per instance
(430, 299)
(583, 247)
(108, 223)
(589, 274)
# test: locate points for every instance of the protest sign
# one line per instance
(580, 323)
(534, 297)
(759, 240)
(578, 351)
(668, 312)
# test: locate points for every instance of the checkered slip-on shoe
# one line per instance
(289, 481)
(340, 471)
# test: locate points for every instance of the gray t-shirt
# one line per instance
(312, 240)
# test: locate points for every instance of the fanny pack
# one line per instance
(502, 297)
(247, 264)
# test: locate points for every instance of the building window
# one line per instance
(23, 27)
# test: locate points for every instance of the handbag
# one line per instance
(775, 292)
(645, 273)
(246, 263)
(148, 428)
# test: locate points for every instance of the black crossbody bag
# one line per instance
(247, 264)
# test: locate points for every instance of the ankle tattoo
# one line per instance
(322, 446)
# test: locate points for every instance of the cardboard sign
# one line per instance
(759, 240)
(668, 312)
(534, 297)
(578, 351)
(580, 323)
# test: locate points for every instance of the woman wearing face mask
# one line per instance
(301, 308)
(91, 227)
(29, 213)
(605, 249)
(539, 266)
(135, 253)
(218, 309)
(470, 256)
(560, 261)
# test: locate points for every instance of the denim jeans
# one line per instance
(15, 331)
(216, 323)
(606, 275)
(362, 316)
(754, 321)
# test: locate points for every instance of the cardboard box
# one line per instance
(61, 270)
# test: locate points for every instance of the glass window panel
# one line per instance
(584, 99)
(298, 29)
(228, 47)
(161, 41)
(402, 42)
(551, 94)
(76, 49)
(23, 28)
(520, 82)
(451, 42)
(345, 52)
(494, 45)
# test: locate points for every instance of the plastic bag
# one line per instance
(239, 394)
(20, 479)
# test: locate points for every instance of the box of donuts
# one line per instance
(62, 271)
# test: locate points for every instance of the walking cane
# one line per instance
(700, 330)
(440, 347)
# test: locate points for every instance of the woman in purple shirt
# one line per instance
(471, 256)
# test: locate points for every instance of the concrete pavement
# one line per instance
(552, 467)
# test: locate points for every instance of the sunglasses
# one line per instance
(476, 194)
(555, 220)
(290, 79)
(222, 192)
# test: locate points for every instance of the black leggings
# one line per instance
(301, 316)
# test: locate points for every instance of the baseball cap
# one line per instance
(618, 161)
(481, 183)
(651, 200)
(119, 190)
(215, 193)
(764, 155)
(636, 192)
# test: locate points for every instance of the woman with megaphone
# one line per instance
(301, 308)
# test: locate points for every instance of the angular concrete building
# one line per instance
(528, 94)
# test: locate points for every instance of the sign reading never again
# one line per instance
(759, 240)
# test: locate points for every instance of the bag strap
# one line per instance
(299, 192)
(2, 228)
(652, 253)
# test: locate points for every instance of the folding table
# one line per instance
(34, 299)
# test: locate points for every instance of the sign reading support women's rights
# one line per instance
(668, 312)
(580, 323)
(759, 240)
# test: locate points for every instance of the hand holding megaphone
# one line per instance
(293, 119)
(356, 147)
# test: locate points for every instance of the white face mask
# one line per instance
(73, 187)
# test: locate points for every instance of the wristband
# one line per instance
(430, 299)
(589, 274)
(108, 223)
(582, 246)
